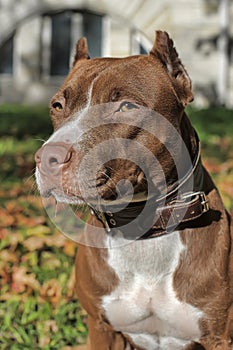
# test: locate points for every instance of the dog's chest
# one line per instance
(144, 304)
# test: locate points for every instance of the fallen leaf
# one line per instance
(15, 238)
(56, 240)
(4, 232)
(50, 325)
(51, 291)
(71, 284)
(6, 218)
(14, 207)
(35, 243)
(44, 340)
(5, 276)
(26, 221)
(22, 280)
(69, 248)
(8, 256)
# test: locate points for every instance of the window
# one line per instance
(142, 50)
(6, 56)
(92, 30)
(59, 34)
(60, 43)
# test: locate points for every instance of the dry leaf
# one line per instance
(6, 218)
(71, 284)
(33, 221)
(57, 240)
(51, 291)
(22, 280)
(34, 243)
(5, 276)
(69, 248)
(44, 340)
(8, 256)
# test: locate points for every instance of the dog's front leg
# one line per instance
(195, 346)
(105, 338)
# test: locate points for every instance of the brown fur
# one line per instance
(204, 275)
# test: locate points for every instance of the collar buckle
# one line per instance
(204, 202)
(202, 197)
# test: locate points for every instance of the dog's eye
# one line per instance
(127, 106)
(57, 106)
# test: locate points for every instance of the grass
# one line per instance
(215, 129)
(38, 306)
(22, 121)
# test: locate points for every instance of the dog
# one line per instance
(154, 264)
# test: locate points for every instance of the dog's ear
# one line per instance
(164, 49)
(81, 50)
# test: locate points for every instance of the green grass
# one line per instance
(22, 121)
(38, 306)
(212, 121)
(35, 325)
(215, 129)
(22, 130)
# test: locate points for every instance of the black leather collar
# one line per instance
(177, 208)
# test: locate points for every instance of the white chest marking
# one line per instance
(144, 305)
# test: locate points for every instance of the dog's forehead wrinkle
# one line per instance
(98, 79)
(113, 72)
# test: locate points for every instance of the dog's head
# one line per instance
(111, 122)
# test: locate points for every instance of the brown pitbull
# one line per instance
(153, 268)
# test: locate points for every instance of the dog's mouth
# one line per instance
(104, 194)
(116, 181)
(63, 197)
(122, 182)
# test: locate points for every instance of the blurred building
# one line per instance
(37, 40)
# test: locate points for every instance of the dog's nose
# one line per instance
(51, 157)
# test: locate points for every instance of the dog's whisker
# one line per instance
(40, 139)
(29, 178)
